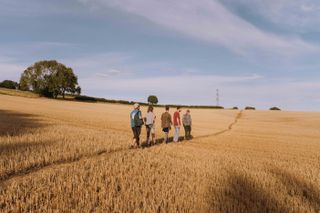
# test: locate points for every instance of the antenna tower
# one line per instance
(218, 98)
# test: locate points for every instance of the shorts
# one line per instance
(166, 129)
(136, 132)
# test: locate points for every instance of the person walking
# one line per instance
(187, 122)
(176, 124)
(150, 125)
(166, 123)
(136, 123)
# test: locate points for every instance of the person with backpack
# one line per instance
(166, 123)
(176, 124)
(187, 122)
(150, 125)
(136, 123)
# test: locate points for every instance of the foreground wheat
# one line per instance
(72, 156)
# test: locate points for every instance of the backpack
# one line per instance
(137, 120)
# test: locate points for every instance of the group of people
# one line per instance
(138, 120)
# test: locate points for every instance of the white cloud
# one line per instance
(210, 21)
(109, 73)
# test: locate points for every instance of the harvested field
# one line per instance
(72, 156)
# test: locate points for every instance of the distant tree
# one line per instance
(275, 108)
(152, 99)
(9, 84)
(50, 79)
(235, 108)
(250, 108)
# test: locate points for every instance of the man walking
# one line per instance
(136, 123)
(166, 123)
(187, 122)
(177, 124)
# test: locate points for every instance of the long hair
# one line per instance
(150, 109)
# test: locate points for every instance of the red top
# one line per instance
(176, 119)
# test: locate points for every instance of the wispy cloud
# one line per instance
(120, 64)
(210, 21)
(294, 15)
(109, 73)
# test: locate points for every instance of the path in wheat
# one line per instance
(230, 127)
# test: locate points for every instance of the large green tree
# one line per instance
(152, 99)
(49, 78)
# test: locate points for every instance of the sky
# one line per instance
(256, 52)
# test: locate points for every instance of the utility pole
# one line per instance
(217, 98)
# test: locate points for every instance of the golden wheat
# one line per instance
(75, 157)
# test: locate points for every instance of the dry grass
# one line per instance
(71, 156)
(20, 93)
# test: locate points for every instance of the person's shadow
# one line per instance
(159, 141)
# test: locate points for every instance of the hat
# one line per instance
(136, 105)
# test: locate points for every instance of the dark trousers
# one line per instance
(187, 130)
(136, 133)
(149, 128)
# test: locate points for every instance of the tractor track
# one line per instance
(36, 168)
(230, 127)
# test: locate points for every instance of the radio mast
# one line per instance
(218, 98)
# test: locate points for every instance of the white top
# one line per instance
(150, 118)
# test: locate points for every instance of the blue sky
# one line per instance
(259, 53)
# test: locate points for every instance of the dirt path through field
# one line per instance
(239, 115)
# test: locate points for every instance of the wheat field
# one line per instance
(76, 157)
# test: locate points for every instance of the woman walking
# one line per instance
(150, 125)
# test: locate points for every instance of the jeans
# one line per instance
(136, 134)
(176, 134)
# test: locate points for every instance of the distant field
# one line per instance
(73, 156)
(4, 91)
